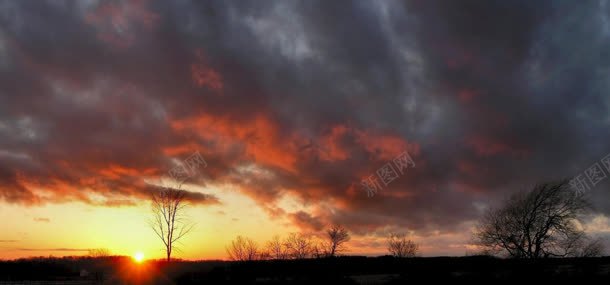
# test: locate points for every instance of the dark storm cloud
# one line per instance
(303, 98)
(527, 76)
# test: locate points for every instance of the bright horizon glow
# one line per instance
(138, 257)
(217, 226)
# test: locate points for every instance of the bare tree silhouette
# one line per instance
(539, 223)
(319, 248)
(99, 252)
(400, 246)
(243, 249)
(592, 248)
(298, 246)
(169, 221)
(337, 237)
(276, 249)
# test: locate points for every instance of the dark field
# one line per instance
(342, 270)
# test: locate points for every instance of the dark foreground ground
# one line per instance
(342, 270)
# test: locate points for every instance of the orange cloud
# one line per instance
(259, 136)
(113, 186)
(117, 171)
(331, 148)
(386, 146)
(382, 146)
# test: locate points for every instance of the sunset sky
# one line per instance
(292, 104)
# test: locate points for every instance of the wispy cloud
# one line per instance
(55, 249)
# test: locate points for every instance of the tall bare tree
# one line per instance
(243, 249)
(169, 221)
(337, 237)
(539, 223)
(400, 246)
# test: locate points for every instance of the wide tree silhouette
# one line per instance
(336, 236)
(299, 246)
(540, 223)
(400, 246)
(243, 249)
(276, 249)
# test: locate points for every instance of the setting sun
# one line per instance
(138, 257)
(173, 142)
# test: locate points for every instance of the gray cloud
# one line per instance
(304, 98)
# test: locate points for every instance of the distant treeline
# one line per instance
(340, 270)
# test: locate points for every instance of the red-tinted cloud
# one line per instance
(119, 23)
(204, 76)
(100, 98)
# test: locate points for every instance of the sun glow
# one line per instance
(138, 257)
